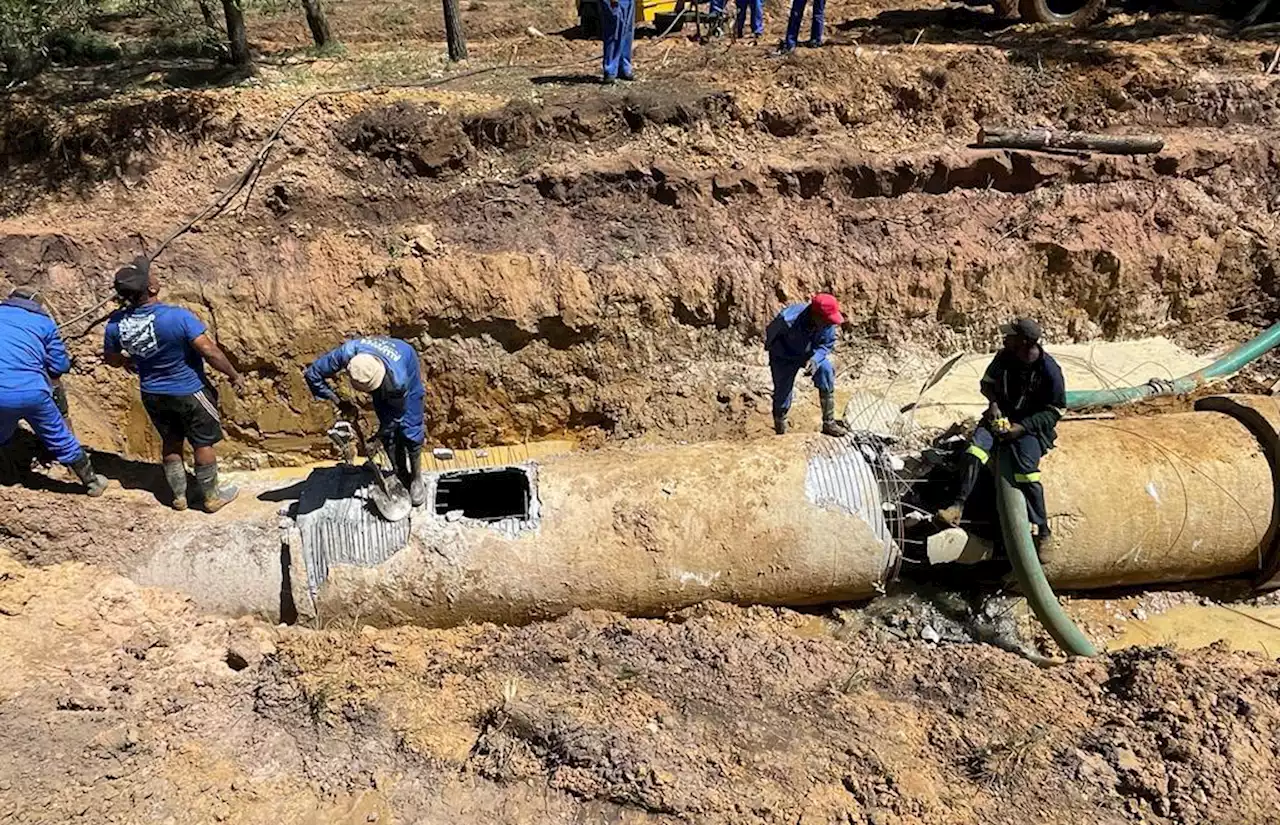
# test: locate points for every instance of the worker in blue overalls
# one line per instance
(387, 369)
(1026, 396)
(803, 336)
(617, 29)
(789, 43)
(32, 359)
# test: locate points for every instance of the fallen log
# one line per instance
(997, 138)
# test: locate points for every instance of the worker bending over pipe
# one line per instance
(1026, 397)
(32, 359)
(803, 336)
(387, 369)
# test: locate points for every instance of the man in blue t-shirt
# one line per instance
(167, 346)
(803, 336)
(388, 369)
(32, 359)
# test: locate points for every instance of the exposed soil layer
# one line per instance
(124, 705)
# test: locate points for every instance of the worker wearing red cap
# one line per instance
(803, 336)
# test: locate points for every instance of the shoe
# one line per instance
(608, 81)
(780, 424)
(951, 516)
(811, 44)
(418, 492)
(782, 50)
(830, 424)
(214, 496)
(95, 485)
(627, 76)
(1043, 541)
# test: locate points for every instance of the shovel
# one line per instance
(389, 496)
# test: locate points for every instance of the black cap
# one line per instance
(1024, 328)
(134, 278)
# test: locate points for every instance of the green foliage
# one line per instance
(26, 24)
(81, 48)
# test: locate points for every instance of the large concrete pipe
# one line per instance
(642, 531)
(1163, 498)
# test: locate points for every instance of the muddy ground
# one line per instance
(599, 264)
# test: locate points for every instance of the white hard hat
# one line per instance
(366, 372)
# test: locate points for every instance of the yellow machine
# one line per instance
(660, 13)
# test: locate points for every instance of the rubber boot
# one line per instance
(215, 497)
(972, 471)
(780, 424)
(95, 484)
(830, 424)
(408, 466)
(175, 472)
(1043, 540)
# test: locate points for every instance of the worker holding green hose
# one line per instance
(1026, 397)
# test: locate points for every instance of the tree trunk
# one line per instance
(318, 22)
(207, 13)
(453, 31)
(237, 36)
(1075, 141)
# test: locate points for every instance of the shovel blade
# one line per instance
(394, 504)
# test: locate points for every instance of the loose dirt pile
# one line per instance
(124, 705)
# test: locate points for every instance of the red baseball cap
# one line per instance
(827, 308)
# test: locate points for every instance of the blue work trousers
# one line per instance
(757, 17)
(797, 17)
(617, 28)
(1027, 453)
(784, 380)
(36, 407)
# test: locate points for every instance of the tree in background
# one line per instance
(453, 31)
(317, 22)
(237, 35)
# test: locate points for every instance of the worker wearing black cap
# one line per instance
(1026, 396)
(167, 346)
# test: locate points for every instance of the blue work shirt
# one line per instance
(158, 338)
(31, 351)
(791, 336)
(398, 402)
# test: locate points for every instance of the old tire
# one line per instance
(1075, 13)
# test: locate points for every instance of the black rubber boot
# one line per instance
(175, 472)
(972, 472)
(780, 423)
(408, 464)
(214, 497)
(830, 424)
(95, 484)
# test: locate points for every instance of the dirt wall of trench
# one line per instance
(606, 265)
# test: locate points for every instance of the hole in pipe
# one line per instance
(485, 495)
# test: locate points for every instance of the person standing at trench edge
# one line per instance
(816, 26)
(1026, 395)
(617, 30)
(167, 346)
(803, 336)
(387, 369)
(32, 360)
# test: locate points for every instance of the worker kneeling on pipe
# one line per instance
(32, 360)
(387, 369)
(803, 336)
(1026, 396)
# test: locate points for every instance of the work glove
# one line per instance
(1013, 431)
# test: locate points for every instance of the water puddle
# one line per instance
(1195, 625)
